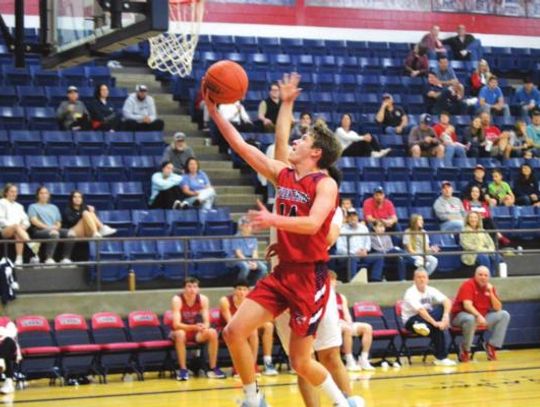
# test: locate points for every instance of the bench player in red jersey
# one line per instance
(306, 201)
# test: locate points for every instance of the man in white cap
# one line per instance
(178, 152)
(140, 112)
(72, 113)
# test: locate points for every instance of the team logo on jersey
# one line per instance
(292, 195)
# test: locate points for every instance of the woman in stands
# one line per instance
(14, 222)
(196, 185)
(475, 139)
(355, 145)
(166, 189)
(81, 219)
(47, 224)
(416, 243)
(102, 113)
(480, 77)
(526, 187)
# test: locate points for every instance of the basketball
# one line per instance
(226, 81)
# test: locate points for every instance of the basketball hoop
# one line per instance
(173, 51)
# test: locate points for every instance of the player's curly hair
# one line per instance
(325, 139)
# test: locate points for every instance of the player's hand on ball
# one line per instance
(209, 103)
(261, 219)
(288, 87)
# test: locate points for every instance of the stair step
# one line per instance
(216, 165)
(230, 190)
(248, 200)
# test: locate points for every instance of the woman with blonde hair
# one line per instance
(480, 77)
(416, 243)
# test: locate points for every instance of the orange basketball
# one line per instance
(226, 81)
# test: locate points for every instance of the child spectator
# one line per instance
(381, 243)
(500, 189)
(417, 245)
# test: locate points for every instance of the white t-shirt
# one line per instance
(414, 300)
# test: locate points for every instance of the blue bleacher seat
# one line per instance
(503, 217)
(423, 193)
(150, 142)
(398, 192)
(527, 218)
(129, 195)
(120, 219)
(99, 74)
(109, 168)
(47, 78)
(325, 82)
(76, 168)
(345, 102)
(247, 45)
(117, 96)
(26, 142)
(43, 168)
(75, 76)
(140, 167)
(217, 222)
(97, 194)
(109, 250)
(60, 192)
(201, 249)
(32, 96)
(365, 190)
(315, 46)
(396, 167)
(89, 142)
(58, 142)
(5, 144)
(27, 192)
(12, 118)
(256, 61)
(13, 168)
(120, 143)
(8, 95)
(143, 250)
(41, 118)
(16, 76)
(347, 165)
(421, 169)
(55, 95)
(149, 222)
(372, 169)
(174, 249)
(269, 44)
(184, 223)
(223, 43)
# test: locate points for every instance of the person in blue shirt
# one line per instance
(247, 248)
(166, 191)
(528, 98)
(47, 224)
(533, 131)
(196, 186)
(445, 73)
(491, 99)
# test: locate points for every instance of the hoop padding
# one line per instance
(173, 51)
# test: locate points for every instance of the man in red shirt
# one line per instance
(380, 208)
(446, 133)
(477, 303)
(497, 142)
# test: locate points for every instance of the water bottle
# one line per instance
(131, 280)
(503, 270)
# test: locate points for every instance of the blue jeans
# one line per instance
(491, 261)
(453, 151)
(452, 226)
(375, 265)
(392, 130)
(245, 273)
(436, 335)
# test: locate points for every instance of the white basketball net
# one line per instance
(173, 51)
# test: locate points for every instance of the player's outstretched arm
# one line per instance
(325, 202)
(253, 156)
(288, 92)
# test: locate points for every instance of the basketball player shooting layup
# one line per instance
(306, 200)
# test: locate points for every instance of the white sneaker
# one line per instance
(421, 329)
(444, 362)
(34, 260)
(383, 153)
(97, 235)
(356, 401)
(107, 231)
(353, 367)
(18, 262)
(8, 387)
(15, 287)
(67, 263)
(365, 365)
(50, 262)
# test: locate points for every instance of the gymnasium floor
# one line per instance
(514, 380)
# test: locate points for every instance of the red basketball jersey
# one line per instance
(232, 308)
(339, 301)
(295, 197)
(191, 314)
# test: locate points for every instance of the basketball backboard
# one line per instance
(79, 30)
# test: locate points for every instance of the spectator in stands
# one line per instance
(237, 115)
(197, 187)
(528, 98)
(426, 312)
(346, 204)
(178, 152)
(392, 117)
(449, 209)
(439, 97)
(381, 243)
(533, 131)
(301, 127)
(526, 187)
(356, 145)
(10, 352)
(14, 222)
(475, 139)
(350, 329)
(432, 42)
(520, 145)
(491, 99)
(478, 304)
(417, 62)
(47, 224)
(446, 133)
(475, 239)
(82, 220)
(140, 111)
(166, 189)
(459, 44)
(479, 181)
(102, 112)
(480, 77)
(417, 245)
(378, 207)
(247, 248)
(72, 113)
(500, 190)
(444, 72)
(423, 140)
(269, 108)
(497, 142)
(191, 323)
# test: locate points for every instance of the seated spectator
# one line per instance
(417, 245)
(191, 323)
(533, 131)
(247, 248)
(432, 42)
(497, 142)
(449, 209)
(301, 127)
(82, 220)
(480, 77)
(345, 205)
(478, 304)
(479, 180)
(476, 239)
(47, 224)
(444, 72)
(72, 113)
(140, 112)
(500, 190)
(378, 207)
(520, 145)
(491, 99)
(393, 118)
(475, 139)
(446, 133)
(356, 145)
(14, 222)
(196, 186)
(459, 44)
(439, 97)
(236, 114)
(102, 112)
(350, 329)
(528, 98)
(426, 312)
(10, 352)
(526, 187)
(417, 62)
(269, 108)
(178, 152)
(166, 189)
(423, 140)
(381, 243)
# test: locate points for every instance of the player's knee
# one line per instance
(230, 334)
(179, 336)
(300, 364)
(212, 334)
(330, 359)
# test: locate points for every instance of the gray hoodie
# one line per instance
(136, 109)
(448, 208)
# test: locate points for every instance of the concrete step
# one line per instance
(216, 165)
(234, 190)
(247, 200)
